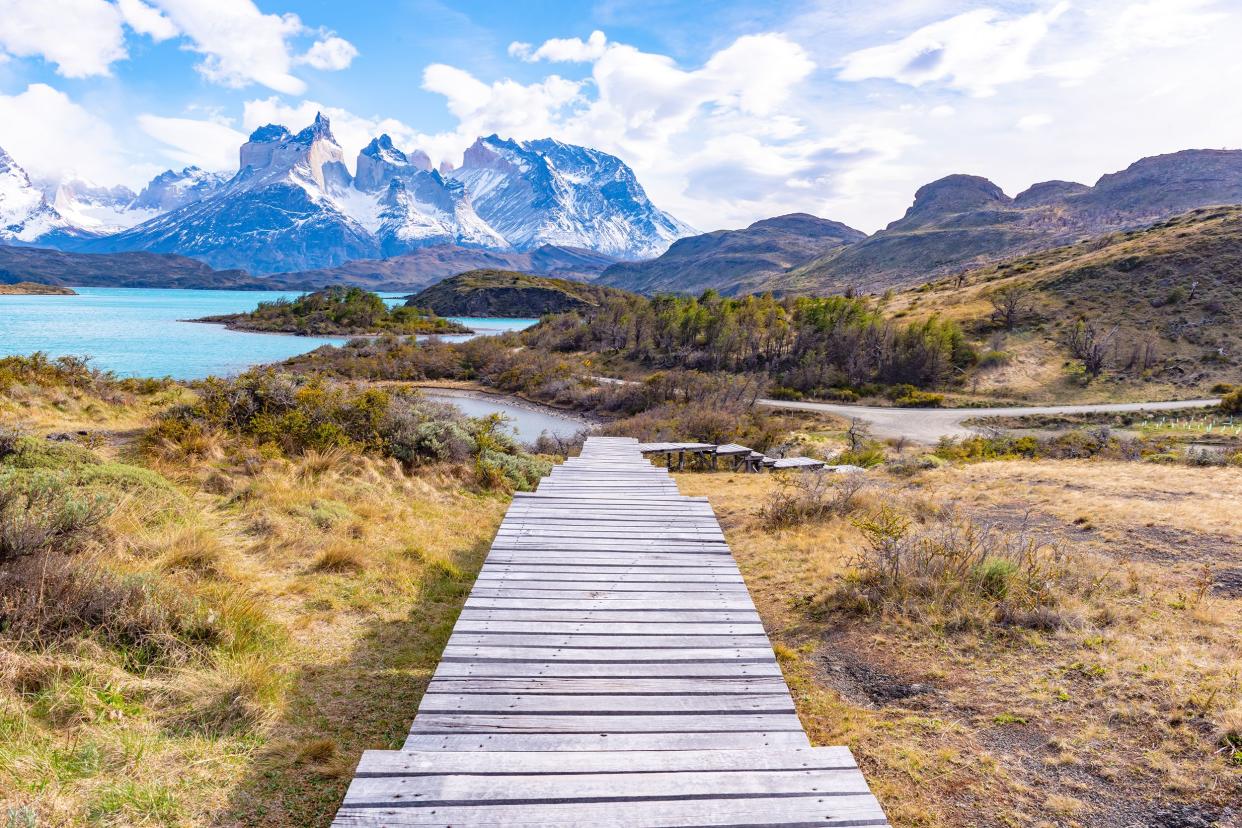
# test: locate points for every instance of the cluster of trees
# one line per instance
(806, 344)
(338, 311)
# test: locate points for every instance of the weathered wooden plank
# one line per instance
(397, 763)
(610, 616)
(608, 670)
(463, 638)
(561, 685)
(636, 630)
(437, 702)
(601, 654)
(566, 787)
(736, 722)
(607, 741)
(801, 810)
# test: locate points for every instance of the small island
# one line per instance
(35, 289)
(508, 293)
(337, 311)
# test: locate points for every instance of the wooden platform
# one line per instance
(608, 669)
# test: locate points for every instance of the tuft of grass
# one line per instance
(340, 558)
(238, 696)
(134, 803)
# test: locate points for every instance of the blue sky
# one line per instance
(728, 111)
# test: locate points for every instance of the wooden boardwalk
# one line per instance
(608, 669)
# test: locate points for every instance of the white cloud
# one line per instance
(975, 51)
(330, 54)
(1034, 121)
(240, 44)
(82, 37)
(49, 134)
(191, 141)
(563, 50)
(145, 20)
(688, 132)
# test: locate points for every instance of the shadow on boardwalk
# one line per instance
(337, 710)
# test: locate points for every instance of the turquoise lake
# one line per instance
(139, 332)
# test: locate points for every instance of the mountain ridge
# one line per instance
(293, 204)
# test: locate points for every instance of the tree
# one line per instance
(1010, 304)
(1090, 344)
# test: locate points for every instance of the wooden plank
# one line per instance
(718, 687)
(608, 741)
(813, 809)
(462, 638)
(397, 763)
(738, 722)
(604, 704)
(566, 787)
(609, 670)
(636, 630)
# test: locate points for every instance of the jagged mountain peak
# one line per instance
(545, 191)
(320, 129)
(270, 134)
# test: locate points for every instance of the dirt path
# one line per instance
(928, 425)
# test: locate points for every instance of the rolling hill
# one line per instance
(505, 293)
(1162, 299)
(734, 261)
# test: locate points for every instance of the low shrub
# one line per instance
(293, 415)
(950, 567)
(52, 597)
(1231, 402)
(39, 513)
(810, 496)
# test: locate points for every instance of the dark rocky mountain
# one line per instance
(734, 261)
(506, 293)
(962, 222)
(428, 265)
(137, 270)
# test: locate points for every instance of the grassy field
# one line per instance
(1083, 670)
(234, 626)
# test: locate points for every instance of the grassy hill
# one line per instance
(337, 311)
(507, 293)
(1161, 303)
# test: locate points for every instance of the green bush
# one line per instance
(1231, 403)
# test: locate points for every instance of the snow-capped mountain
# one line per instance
(95, 209)
(171, 189)
(547, 192)
(409, 205)
(294, 205)
(277, 213)
(25, 213)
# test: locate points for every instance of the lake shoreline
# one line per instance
(484, 394)
(232, 326)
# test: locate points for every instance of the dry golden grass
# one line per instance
(1100, 723)
(337, 578)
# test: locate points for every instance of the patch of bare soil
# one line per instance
(861, 681)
